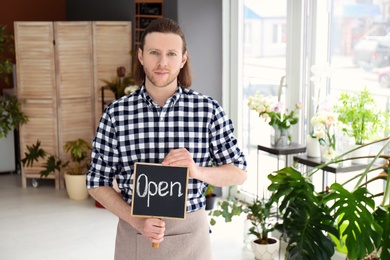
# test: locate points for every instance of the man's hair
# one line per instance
(164, 25)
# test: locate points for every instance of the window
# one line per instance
(275, 38)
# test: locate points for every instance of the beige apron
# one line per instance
(184, 239)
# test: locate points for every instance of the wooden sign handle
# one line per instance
(156, 245)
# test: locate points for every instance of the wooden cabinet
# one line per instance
(59, 70)
(145, 12)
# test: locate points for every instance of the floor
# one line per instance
(44, 224)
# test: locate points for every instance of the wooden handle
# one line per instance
(155, 245)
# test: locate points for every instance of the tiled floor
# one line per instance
(44, 224)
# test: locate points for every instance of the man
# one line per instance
(163, 122)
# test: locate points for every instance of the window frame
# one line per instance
(302, 21)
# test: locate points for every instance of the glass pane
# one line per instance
(264, 58)
(360, 49)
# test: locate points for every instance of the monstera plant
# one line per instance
(309, 217)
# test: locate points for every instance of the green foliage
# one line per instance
(209, 191)
(118, 83)
(259, 212)
(11, 115)
(362, 119)
(382, 217)
(309, 216)
(6, 47)
(51, 165)
(35, 152)
(363, 233)
(304, 215)
(79, 152)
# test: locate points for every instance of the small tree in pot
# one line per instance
(260, 215)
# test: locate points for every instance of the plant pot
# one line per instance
(210, 201)
(312, 147)
(76, 187)
(364, 151)
(98, 205)
(265, 251)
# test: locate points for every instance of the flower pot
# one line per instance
(76, 187)
(266, 251)
(364, 151)
(312, 147)
(210, 201)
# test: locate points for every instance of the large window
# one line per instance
(281, 38)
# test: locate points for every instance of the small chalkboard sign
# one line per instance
(159, 191)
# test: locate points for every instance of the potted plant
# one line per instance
(75, 175)
(78, 152)
(210, 197)
(362, 119)
(261, 217)
(122, 84)
(310, 216)
(11, 114)
(274, 112)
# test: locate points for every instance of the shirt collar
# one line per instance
(171, 101)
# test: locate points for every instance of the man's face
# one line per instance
(162, 59)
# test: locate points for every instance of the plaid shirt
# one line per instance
(135, 129)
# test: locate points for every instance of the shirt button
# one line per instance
(161, 119)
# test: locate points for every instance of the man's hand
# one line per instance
(152, 228)
(182, 157)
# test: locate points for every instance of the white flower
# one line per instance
(131, 89)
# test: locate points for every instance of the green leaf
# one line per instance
(50, 166)
(382, 217)
(304, 215)
(351, 208)
(34, 153)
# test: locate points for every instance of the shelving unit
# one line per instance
(145, 13)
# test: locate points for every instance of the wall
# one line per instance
(26, 10)
(201, 21)
(99, 10)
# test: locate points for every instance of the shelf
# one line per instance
(145, 13)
